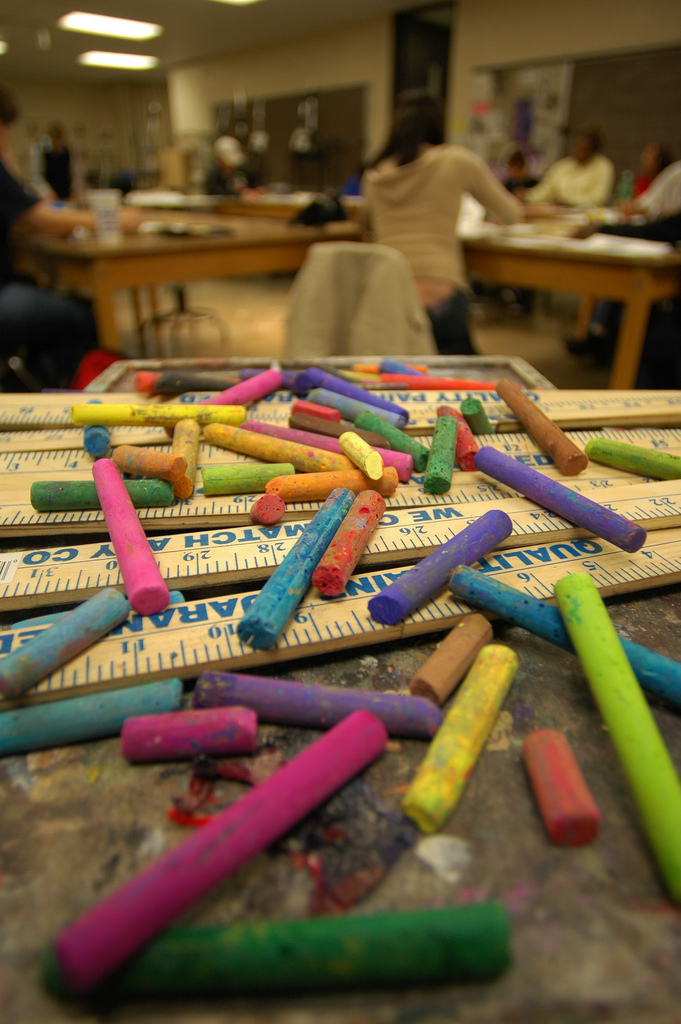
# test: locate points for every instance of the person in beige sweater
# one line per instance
(413, 192)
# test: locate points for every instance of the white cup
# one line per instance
(105, 204)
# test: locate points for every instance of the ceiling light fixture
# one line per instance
(238, 3)
(103, 59)
(99, 25)
(3, 46)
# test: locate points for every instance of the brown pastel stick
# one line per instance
(186, 445)
(300, 421)
(451, 661)
(568, 810)
(566, 455)
(268, 509)
(149, 462)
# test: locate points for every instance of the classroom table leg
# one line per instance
(105, 313)
(586, 308)
(631, 335)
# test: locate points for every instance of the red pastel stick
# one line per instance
(145, 381)
(436, 383)
(312, 409)
(268, 509)
(466, 445)
(566, 805)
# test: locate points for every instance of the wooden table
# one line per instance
(251, 246)
(635, 280)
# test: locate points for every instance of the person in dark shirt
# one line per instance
(57, 164)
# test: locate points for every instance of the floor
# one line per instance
(252, 315)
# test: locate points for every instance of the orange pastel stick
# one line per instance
(149, 462)
(318, 486)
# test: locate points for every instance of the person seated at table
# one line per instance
(585, 178)
(655, 157)
(52, 166)
(413, 191)
(227, 176)
(662, 198)
(49, 331)
(517, 178)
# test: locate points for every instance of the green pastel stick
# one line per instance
(399, 441)
(474, 413)
(438, 478)
(633, 458)
(72, 495)
(244, 478)
(416, 947)
(646, 762)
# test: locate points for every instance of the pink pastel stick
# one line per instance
(106, 936)
(183, 735)
(248, 390)
(145, 587)
(403, 463)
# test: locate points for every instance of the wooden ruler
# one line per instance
(237, 555)
(187, 639)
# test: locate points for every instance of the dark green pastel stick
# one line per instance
(438, 478)
(474, 413)
(416, 947)
(242, 478)
(399, 441)
(634, 459)
(73, 495)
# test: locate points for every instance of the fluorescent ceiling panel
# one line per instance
(131, 61)
(99, 25)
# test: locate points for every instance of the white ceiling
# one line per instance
(192, 29)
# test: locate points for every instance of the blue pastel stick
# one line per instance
(314, 378)
(574, 507)
(176, 597)
(657, 674)
(266, 618)
(418, 584)
(78, 629)
(96, 440)
(389, 365)
(350, 408)
(79, 719)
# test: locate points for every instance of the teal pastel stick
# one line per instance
(350, 408)
(96, 440)
(266, 618)
(80, 719)
(176, 597)
(641, 749)
(77, 630)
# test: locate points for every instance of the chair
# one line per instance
(179, 328)
(356, 299)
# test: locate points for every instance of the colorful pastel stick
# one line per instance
(144, 585)
(474, 413)
(110, 415)
(106, 936)
(657, 674)
(318, 486)
(466, 445)
(450, 662)
(268, 509)
(388, 365)
(330, 428)
(380, 950)
(314, 378)
(345, 550)
(183, 735)
(186, 445)
(249, 390)
(176, 597)
(288, 377)
(289, 702)
(573, 506)
(144, 381)
(324, 412)
(79, 629)
(567, 456)
(567, 808)
(350, 408)
(403, 463)
(452, 755)
(399, 441)
(274, 449)
(72, 495)
(266, 618)
(400, 381)
(366, 458)
(242, 478)
(80, 719)
(177, 382)
(645, 760)
(440, 465)
(634, 459)
(96, 440)
(150, 462)
(419, 583)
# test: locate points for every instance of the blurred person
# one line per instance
(585, 178)
(227, 176)
(517, 177)
(413, 192)
(51, 170)
(654, 159)
(661, 199)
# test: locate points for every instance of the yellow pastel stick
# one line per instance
(362, 454)
(87, 415)
(276, 449)
(456, 746)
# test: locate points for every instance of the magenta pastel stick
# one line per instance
(106, 936)
(403, 463)
(248, 390)
(183, 735)
(145, 588)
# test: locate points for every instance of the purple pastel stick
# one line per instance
(294, 703)
(574, 507)
(403, 463)
(183, 735)
(314, 378)
(249, 390)
(419, 584)
(108, 934)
